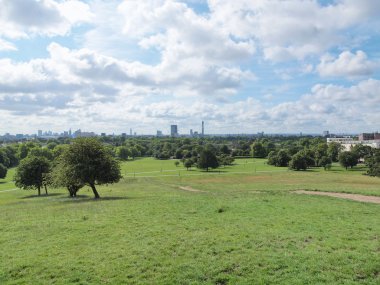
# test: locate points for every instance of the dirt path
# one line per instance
(354, 197)
(190, 189)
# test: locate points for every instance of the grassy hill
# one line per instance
(164, 225)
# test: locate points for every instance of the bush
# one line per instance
(3, 171)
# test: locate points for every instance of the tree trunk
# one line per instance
(46, 190)
(95, 192)
(39, 190)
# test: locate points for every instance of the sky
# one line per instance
(242, 66)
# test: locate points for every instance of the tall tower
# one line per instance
(203, 128)
(173, 130)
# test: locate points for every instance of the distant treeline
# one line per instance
(297, 153)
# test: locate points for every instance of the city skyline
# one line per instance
(108, 66)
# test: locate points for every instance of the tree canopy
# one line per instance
(89, 163)
(3, 171)
(31, 172)
(207, 159)
(348, 159)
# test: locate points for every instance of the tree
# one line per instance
(325, 162)
(3, 171)
(63, 176)
(348, 159)
(207, 159)
(373, 164)
(225, 150)
(258, 150)
(89, 163)
(320, 151)
(272, 158)
(4, 160)
(134, 152)
(44, 152)
(283, 158)
(362, 151)
(176, 163)
(122, 152)
(298, 162)
(188, 163)
(333, 150)
(30, 173)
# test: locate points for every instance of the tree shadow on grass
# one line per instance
(87, 198)
(214, 171)
(42, 196)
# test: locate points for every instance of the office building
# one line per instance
(174, 130)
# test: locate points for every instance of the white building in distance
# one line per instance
(349, 143)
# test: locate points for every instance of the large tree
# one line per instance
(373, 164)
(207, 159)
(89, 163)
(258, 150)
(299, 161)
(31, 172)
(3, 171)
(123, 152)
(348, 159)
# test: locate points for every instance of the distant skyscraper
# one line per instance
(130, 132)
(40, 133)
(173, 130)
(203, 128)
(191, 132)
(159, 133)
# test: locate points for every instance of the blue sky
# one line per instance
(241, 66)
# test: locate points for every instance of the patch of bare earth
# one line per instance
(190, 189)
(354, 197)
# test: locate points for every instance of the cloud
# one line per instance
(293, 29)
(347, 64)
(26, 18)
(6, 46)
(78, 78)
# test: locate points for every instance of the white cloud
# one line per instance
(6, 46)
(346, 65)
(26, 18)
(292, 29)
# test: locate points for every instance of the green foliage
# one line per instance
(89, 163)
(258, 150)
(373, 163)
(4, 160)
(3, 171)
(64, 176)
(42, 152)
(325, 162)
(362, 151)
(123, 152)
(348, 159)
(176, 163)
(333, 150)
(207, 159)
(299, 161)
(225, 159)
(31, 171)
(281, 158)
(188, 163)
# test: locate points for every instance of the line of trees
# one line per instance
(76, 163)
(84, 162)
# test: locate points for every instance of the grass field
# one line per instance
(245, 227)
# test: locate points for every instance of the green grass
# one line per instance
(247, 228)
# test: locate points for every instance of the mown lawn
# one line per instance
(245, 228)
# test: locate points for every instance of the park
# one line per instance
(165, 224)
